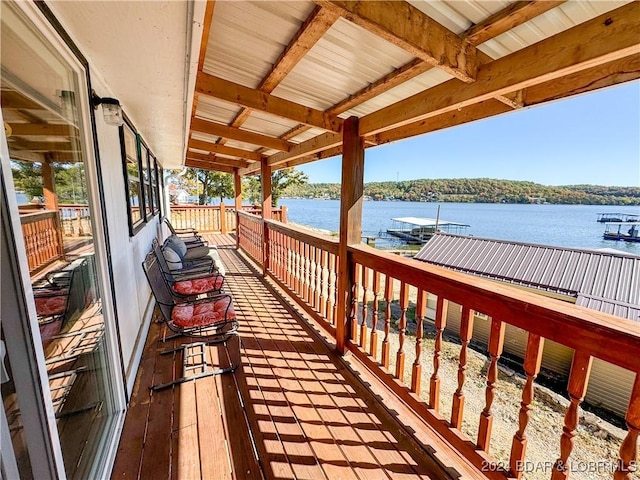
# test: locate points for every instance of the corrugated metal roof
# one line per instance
(601, 280)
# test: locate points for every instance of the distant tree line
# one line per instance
(477, 190)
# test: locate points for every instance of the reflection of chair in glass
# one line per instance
(65, 294)
(211, 318)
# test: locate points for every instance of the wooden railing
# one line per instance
(75, 220)
(214, 218)
(250, 235)
(306, 266)
(42, 238)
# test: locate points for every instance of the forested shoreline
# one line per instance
(477, 190)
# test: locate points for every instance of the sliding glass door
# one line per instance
(50, 182)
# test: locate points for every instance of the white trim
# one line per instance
(141, 340)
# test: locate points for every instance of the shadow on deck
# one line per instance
(292, 410)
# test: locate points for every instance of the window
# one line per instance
(135, 201)
(153, 190)
(143, 178)
(146, 178)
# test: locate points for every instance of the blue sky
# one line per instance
(590, 139)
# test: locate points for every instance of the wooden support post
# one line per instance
(51, 202)
(265, 180)
(351, 192)
(223, 219)
(237, 184)
(283, 217)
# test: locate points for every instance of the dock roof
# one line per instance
(427, 222)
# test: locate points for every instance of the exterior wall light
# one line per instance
(111, 109)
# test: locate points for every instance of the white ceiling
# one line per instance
(142, 50)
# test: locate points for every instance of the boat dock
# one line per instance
(418, 230)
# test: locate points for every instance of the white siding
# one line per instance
(133, 296)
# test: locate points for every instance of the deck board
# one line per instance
(291, 410)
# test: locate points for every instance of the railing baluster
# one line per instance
(421, 312)
(373, 349)
(578, 381)
(333, 304)
(532, 362)
(402, 327)
(353, 320)
(496, 344)
(628, 461)
(388, 296)
(324, 284)
(318, 280)
(365, 310)
(466, 330)
(311, 271)
(442, 307)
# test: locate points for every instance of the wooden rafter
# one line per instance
(208, 165)
(45, 146)
(313, 145)
(212, 128)
(515, 14)
(312, 30)
(228, 162)
(603, 39)
(223, 150)
(405, 26)
(43, 129)
(257, 100)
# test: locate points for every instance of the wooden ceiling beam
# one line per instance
(212, 128)
(512, 16)
(189, 162)
(403, 25)
(623, 70)
(613, 73)
(223, 150)
(45, 146)
(43, 129)
(600, 40)
(257, 100)
(313, 145)
(218, 160)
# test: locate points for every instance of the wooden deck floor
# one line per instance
(292, 410)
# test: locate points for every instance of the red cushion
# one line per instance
(202, 314)
(51, 305)
(201, 285)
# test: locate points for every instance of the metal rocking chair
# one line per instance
(188, 235)
(188, 283)
(211, 319)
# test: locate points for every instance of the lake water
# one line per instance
(558, 225)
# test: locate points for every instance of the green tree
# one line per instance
(27, 177)
(281, 180)
(213, 184)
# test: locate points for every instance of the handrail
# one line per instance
(306, 266)
(26, 218)
(576, 327)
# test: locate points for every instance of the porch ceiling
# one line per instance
(142, 50)
(276, 79)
